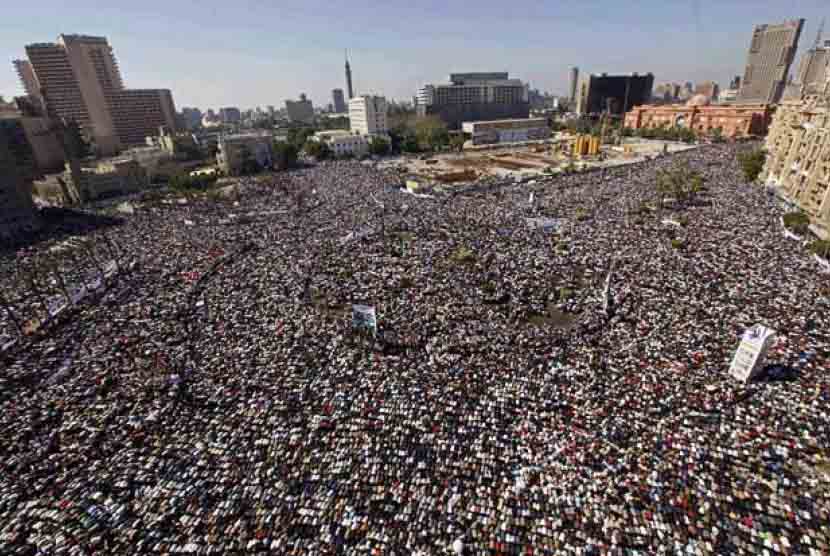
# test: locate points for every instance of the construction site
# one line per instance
(563, 153)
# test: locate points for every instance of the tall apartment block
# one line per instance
(77, 78)
(471, 97)
(338, 101)
(814, 70)
(367, 115)
(574, 83)
(613, 94)
(771, 52)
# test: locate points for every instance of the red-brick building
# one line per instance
(734, 120)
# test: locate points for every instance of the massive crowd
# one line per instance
(216, 400)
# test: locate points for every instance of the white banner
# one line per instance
(364, 317)
(546, 224)
(55, 304)
(77, 294)
(94, 281)
(751, 353)
(110, 268)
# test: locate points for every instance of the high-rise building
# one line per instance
(367, 115)
(615, 94)
(192, 117)
(812, 72)
(17, 170)
(337, 101)
(709, 89)
(771, 53)
(574, 83)
(349, 78)
(735, 83)
(301, 111)
(470, 97)
(230, 115)
(77, 78)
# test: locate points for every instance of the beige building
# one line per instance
(83, 183)
(771, 52)
(344, 143)
(814, 67)
(798, 155)
(368, 115)
(235, 150)
(77, 78)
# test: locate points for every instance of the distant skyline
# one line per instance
(251, 53)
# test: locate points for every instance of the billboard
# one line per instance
(751, 353)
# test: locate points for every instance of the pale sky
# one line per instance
(250, 53)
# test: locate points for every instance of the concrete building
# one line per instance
(17, 170)
(740, 120)
(235, 150)
(338, 102)
(301, 111)
(474, 97)
(368, 115)
(616, 94)
(573, 84)
(349, 79)
(230, 115)
(798, 156)
(709, 89)
(77, 78)
(344, 143)
(771, 52)
(507, 131)
(814, 67)
(192, 117)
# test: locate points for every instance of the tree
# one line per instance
(285, 155)
(249, 164)
(409, 144)
(432, 133)
(717, 135)
(797, 221)
(379, 146)
(457, 143)
(298, 136)
(752, 163)
(317, 150)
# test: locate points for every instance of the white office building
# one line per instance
(367, 115)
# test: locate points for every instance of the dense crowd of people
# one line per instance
(216, 399)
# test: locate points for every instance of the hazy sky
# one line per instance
(256, 52)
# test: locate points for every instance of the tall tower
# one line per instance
(349, 77)
(771, 53)
(573, 84)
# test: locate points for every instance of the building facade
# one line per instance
(17, 171)
(230, 115)
(614, 94)
(573, 84)
(771, 52)
(368, 115)
(300, 111)
(507, 131)
(234, 151)
(474, 97)
(77, 78)
(814, 67)
(344, 143)
(798, 155)
(338, 101)
(709, 89)
(739, 120)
